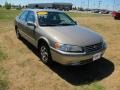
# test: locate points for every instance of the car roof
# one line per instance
(38, 10)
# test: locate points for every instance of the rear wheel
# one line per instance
(18, 34)
(44, 52)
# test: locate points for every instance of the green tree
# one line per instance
(7, 5)
(19, 7)
(0, 6)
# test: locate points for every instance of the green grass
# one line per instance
(8, 14)
(11, 14)
(96, 86)
(74, 14)
(3, 56)
(3, 79)
(92, 86)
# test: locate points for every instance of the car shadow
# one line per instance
(82, 74)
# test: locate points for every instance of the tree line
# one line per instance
(11, 6)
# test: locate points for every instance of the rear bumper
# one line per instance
(73, 59)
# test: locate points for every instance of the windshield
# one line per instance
(54, 19)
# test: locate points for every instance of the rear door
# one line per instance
(22, 22)
(30, 30)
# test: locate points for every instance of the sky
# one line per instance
(104, 4)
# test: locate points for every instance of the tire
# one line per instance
(18, 34)
(116, 18)
(44, 53)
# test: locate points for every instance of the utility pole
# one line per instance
(114, 5)
(82, 4)
(94, 5)
(88, 4)
(99, 4)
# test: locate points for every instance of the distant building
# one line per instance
(60, 6)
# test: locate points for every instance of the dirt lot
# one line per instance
(21, 69)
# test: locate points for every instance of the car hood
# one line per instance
(75, 35)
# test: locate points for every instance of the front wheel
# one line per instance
(45, 55)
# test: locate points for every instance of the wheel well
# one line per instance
(16, 27)
(42, 41)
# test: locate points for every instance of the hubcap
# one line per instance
(44, 54)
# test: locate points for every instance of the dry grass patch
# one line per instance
(110, 30)
(25, 71)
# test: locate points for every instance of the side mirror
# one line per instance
(29, 23)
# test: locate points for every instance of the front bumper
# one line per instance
(73, 59)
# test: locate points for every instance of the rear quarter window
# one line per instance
(23, 16)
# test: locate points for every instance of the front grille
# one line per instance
(93, 48)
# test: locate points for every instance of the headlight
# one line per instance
(69, 48)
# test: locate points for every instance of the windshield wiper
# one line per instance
(48, 25)
(57, 24)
